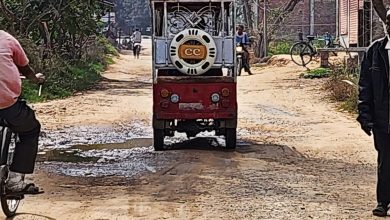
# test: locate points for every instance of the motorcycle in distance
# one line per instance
(136, 50)
(240, 58)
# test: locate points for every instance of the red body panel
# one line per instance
(195, 101)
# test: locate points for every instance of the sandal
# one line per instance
(380, 210)
(29, 189)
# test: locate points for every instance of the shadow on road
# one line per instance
(124, 87)
(33, 216)
(244, 147)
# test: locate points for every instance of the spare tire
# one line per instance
(193, 51)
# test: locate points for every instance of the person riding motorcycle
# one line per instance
(242, 38)
(15, 113)
(136, 39)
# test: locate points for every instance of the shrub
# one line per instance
(66, 77)
(280, 47)
(342, 86)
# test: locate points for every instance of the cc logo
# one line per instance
(192, 52)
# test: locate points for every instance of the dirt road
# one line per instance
(298, 156)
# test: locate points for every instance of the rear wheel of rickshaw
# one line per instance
(158, 139)
(231, 138)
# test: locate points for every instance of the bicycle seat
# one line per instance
(310, 37)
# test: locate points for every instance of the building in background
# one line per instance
(132, 14)
(311, 17)
(359, 24)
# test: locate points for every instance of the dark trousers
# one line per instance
(382, 145)
(135, 49)
(245, 57)
(21, 119)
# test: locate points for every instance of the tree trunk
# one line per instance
(380, 9)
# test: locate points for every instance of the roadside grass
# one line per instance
(316, 73)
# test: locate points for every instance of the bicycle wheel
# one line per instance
(301, 53)
(9, 204)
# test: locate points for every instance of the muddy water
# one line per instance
(114, 151)
(90, 152)
(100, 151)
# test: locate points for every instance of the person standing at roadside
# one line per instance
(374, 112)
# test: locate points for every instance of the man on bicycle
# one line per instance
(137, 39)
(243, 39)
(15, 114)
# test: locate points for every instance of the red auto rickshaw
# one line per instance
(194, 74)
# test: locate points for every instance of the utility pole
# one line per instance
(265, 29)
(312, 17)
(337, 17)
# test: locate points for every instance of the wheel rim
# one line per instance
(301, 54)
(13, 204)
(9, 205)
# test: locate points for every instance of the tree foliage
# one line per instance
(275, 20)
(60, 25)
(59, 36)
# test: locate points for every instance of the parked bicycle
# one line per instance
(303, 52)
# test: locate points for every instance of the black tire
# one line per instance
(158, 139)
(9, 205)
(231, 138)
(301, 53)
(138, 53)
(239, 66)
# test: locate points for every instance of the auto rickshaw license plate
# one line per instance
(191, 106)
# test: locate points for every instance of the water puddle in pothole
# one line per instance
(91, 152)
(107, 162)
(124, 151)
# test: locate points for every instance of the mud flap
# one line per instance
(229, 123)
(158, 124)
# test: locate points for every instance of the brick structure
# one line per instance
(299, 19)
(359, 24)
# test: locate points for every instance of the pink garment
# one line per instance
(11, 56)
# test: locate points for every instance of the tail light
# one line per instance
(164, 93)
(215, 97)
(225, 92)
(175, 98)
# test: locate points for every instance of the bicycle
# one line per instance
(9, 202)
(303, 52)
